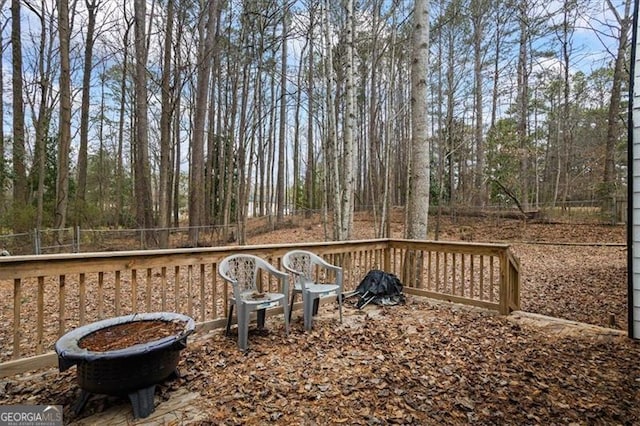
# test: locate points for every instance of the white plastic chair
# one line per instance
(242, 271)
(302, 265)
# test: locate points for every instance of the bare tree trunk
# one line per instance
(207, 31)
(310, 186)
(92, 6)
(567, 123)
(331, 133)
(20, 190)
(120, 190)
(3, 163)
(164, 210)
(522, 102)
(144, 206)
(176, 163)
(296, 135)
(347, 187)
(64, 142)
(418, 202)
(103, 175)
(178, 81)
(500, 19)
(280, 184)
(478, 18)
(420, 168)
(244, 172)
(608, 187)
(385, 217)
(42, 117)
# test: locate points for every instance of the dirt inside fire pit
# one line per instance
(121, 336)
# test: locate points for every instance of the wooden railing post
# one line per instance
(387, 257)
(509, 283)
(504, 284)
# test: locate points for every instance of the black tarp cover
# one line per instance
(381, 288)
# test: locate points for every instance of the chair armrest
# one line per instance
(323, 263)
(282, 276)
(336, 269)
(272, 270)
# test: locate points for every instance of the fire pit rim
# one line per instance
(70, 353)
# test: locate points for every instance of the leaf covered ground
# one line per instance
(423, 362)
(420, 363)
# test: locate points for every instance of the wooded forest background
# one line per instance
(157, 113)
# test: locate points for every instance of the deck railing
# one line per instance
(45, 296)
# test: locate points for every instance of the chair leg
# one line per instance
(243, 327)
(308, 304)
(316, 305)
(340, 306)
(261, 314)
(287, 316)
(293, 297)
(228, 331)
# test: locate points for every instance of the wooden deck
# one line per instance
(52, 294)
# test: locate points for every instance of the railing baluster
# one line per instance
(429, 267)
(453, 273)
(117, 296)
(471, 275)
(214, 290)
(190, 290)
(134, 290)
(491, 279)
(163, 288)
(17, 301)
(82, 292)
(437, 272)
(100, 295)
(202, 293)
(482, 277)
(446, 271)
(61, 303)
(462, 275)
(149, 291)
(176, 289)
(40, 319)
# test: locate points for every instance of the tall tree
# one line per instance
(419, 174)
(142, 173)
(120, 172)
(166, 105)
(608, 187)
(92, 7)
(310, 187)
(64, 135)
(282, 142)
(20, 190)
(206, 33)
(347, 178)
(41, 105)
(479, 11)
(522, 100)
(3, 162)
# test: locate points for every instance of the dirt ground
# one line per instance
(422, 363)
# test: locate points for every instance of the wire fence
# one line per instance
(76, 240)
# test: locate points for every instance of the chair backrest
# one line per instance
(242, 270)
(300, 261)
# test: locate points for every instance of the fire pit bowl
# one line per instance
(126, 355)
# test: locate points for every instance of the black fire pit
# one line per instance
(133, 370)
